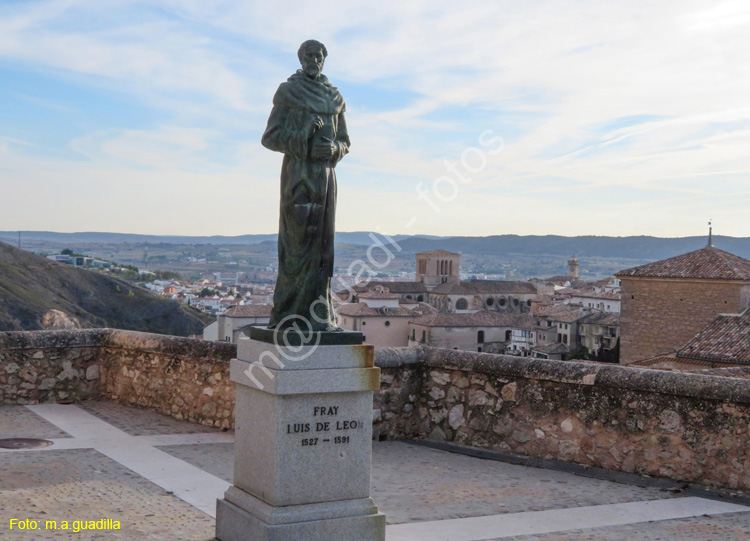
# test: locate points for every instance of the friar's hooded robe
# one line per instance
(308, 199)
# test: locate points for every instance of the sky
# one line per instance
(466, 118)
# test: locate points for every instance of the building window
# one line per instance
(424, 336)
(363, 323)
(480, 337)
(501, 301)
(413, 334)
(420, 298)
(462, 304)
(490, 301)
(515, 302)
(387, 323)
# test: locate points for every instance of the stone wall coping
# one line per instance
(119, 339)
(78, 338)
(395, 357)
(170, 345)
(584, 373)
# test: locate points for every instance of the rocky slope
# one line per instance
(37, 293)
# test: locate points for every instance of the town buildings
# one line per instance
(438, 284)
(482, 331)
(599, 334)
(514, 317)
(666, 303)
(381, 316)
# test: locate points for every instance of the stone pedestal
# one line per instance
(303, 444)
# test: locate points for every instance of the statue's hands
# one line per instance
(315, 124)
(324, 150)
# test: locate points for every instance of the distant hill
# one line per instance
(647, 248)
(355, 237)
(634, 248)
(37, 293)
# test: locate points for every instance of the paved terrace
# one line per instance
(160, 477)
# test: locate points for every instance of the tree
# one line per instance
(206, 292)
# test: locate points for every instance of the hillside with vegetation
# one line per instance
(37, 293)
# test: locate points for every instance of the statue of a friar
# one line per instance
(307, 124)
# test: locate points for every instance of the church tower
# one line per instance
(438, 267)
(573, 265)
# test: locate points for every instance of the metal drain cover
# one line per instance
(23, 443)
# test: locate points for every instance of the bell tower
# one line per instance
(573, 265)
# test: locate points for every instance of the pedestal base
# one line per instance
(241, 517)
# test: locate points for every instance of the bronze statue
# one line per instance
(307, 124)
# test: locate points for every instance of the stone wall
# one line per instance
(394, 408)
(182, 377)
(681, 426)
(48, 366)
(661, 315)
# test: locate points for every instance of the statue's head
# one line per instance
(312, 54)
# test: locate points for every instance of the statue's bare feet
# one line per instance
(334, 328)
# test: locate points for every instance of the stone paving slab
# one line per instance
(730, 527)
(411, 483)
(83, 484)
(21, 422)
(214, 458)
(140, 422)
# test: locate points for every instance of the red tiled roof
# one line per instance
(667, 358)
(360, 309)
(725, 340)
(602, 318)
(670, 362)
(378, 292)
(477, 319)
(551, 349)
(708, 263)
(486, 287)
(563, 315)
(742, 372)
(251, 310)
(607, 295)
(394, 287)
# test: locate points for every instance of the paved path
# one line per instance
(138, 453)
(161, 478)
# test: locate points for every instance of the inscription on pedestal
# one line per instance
(327, 427)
